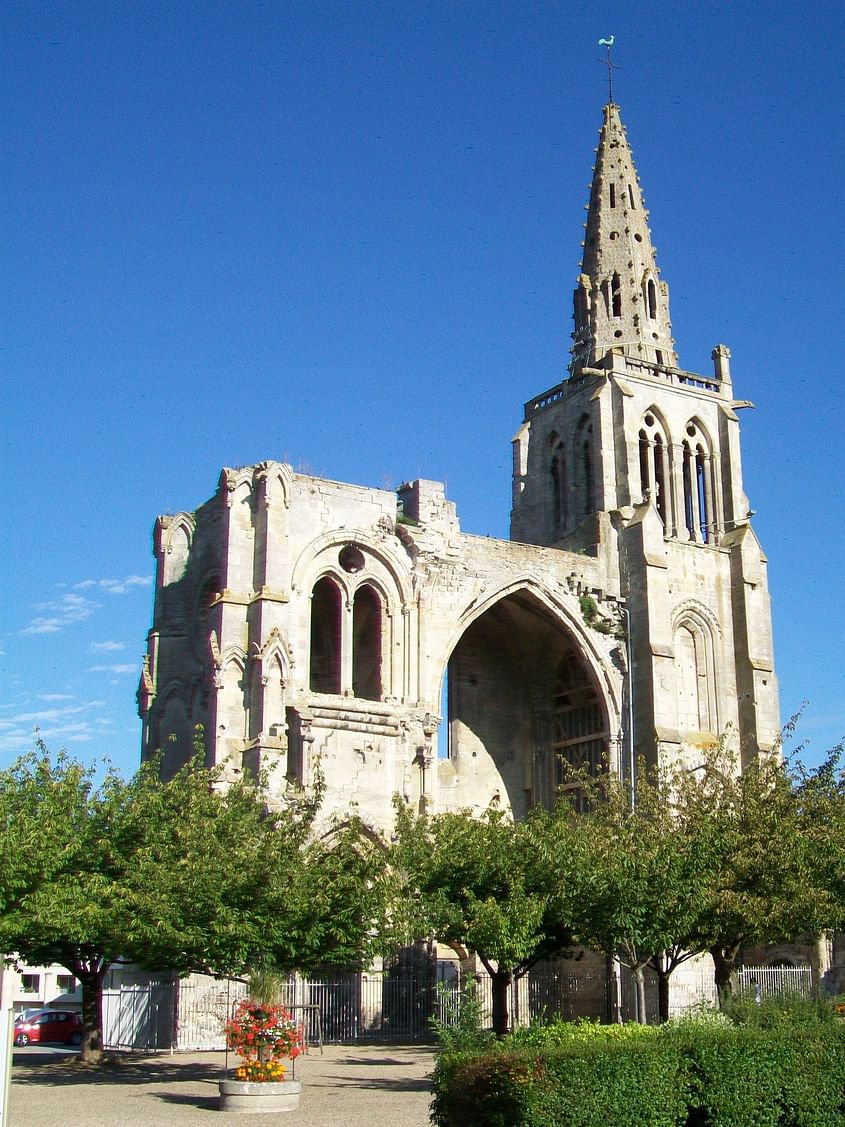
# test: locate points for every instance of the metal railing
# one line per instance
(398, 1004)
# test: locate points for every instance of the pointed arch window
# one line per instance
(661, 472)
(326, 606)
(701, 490)
(654, 462)
(580, 729)
(559, 487)
(589, 483)
(585, 484)
(645, 483)
(695, 674)
(616, 295)
(366, 643)
(700, 509)
(651, 299)
(581, 307)
(689, 508)
(274, 698)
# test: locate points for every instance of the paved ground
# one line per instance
(349, 1086)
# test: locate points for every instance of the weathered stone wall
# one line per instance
(235, 645)
(638, 465)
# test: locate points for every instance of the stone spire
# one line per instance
(620, 302)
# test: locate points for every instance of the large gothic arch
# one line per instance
(524, 687)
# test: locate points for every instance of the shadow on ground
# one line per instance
(202, 1103)
(383, 1084)
(37, 1069)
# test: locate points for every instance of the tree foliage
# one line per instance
(767, 876)
(185, 874)
(502, 889)
(650, 878)
(707, 859)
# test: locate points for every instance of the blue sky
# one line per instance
(345, 235)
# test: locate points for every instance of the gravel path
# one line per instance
(348, 1086)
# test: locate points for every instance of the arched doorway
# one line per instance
(520, 695)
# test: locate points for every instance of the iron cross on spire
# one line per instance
(608, 62)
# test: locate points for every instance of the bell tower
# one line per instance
(636, 461)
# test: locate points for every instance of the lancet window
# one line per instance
(584, 468)
(581, 307)
(559, 482)
(700, 516)
(366, 643)
(695, 674)
(349, 619)
(325, 636)
(655, 464)
(651, 298)
(616, 295)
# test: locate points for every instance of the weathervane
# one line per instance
(608, 62)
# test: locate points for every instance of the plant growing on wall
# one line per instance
(592, 617)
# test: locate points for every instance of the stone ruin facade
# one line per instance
(301, 620)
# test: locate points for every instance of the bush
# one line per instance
(791, 1011)
(687, 1074)
(458, 1024)
(560, 1033)
(598, 1084)
(498, 1088)
(749, 1077)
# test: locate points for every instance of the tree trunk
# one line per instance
(724, 961)
(91, 1049)
(663, 994)
(639, 982)
(821, 960)
(500, 981)
(614, 992)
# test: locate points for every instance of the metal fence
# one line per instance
(139, 1016)
(398, 1004)
(776, 982)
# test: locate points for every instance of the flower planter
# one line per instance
(263, 1035)
(252, 1097)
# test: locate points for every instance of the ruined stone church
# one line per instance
(301, 620)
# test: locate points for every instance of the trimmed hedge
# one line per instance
(768, 1078)
(680, 1077)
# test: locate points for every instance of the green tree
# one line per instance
(766, 877)
(820, 794)
(649, 880)
(186, 874)
(504, 890)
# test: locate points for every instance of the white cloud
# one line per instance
(72, 607)
(61, 612)
(106, 647)
(119, 669)
(115, 586)
(55, 696)
(76, 723)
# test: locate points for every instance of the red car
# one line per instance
(49, 1025)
